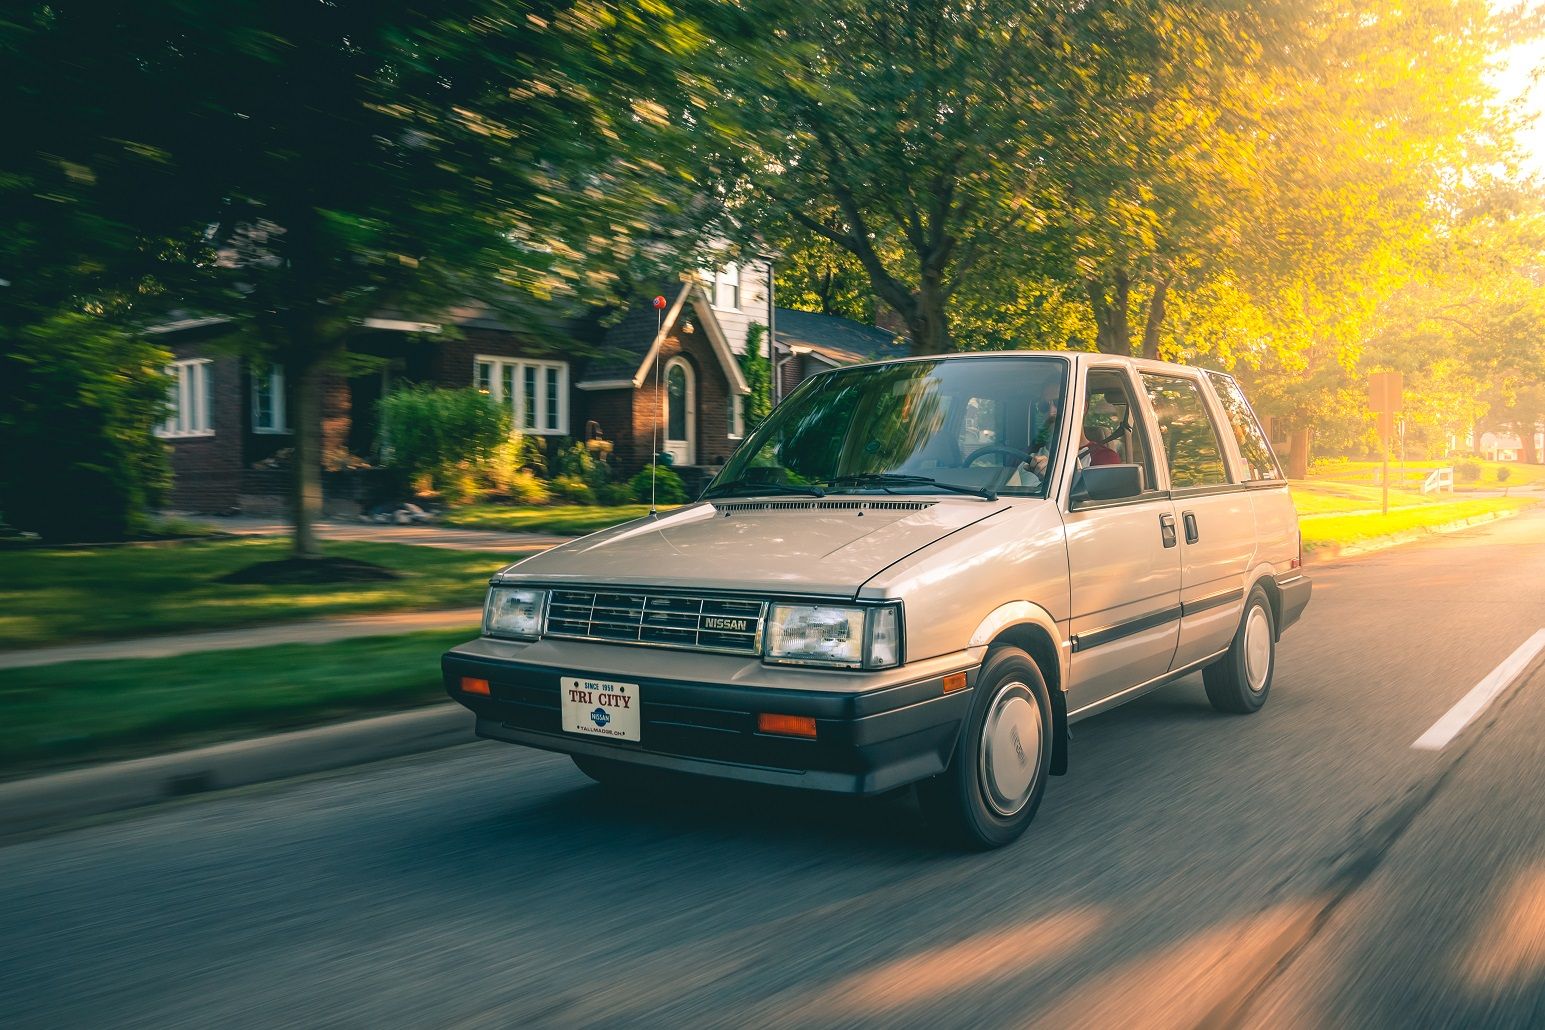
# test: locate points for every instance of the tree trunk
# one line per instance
(1298, 454)
(309, 362)
(928, 322)
(1531, 452)
(1113, 329)
(1155, 320)
(306, 474)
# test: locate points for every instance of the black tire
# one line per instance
(966, 803)
(1236, 683)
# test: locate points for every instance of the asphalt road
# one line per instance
(1301, 867)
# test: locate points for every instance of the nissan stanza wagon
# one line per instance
(914, 572)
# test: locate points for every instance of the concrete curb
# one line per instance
(45, 802)
(1332, 552)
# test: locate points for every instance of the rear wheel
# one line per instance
(994, 783)
(1238, 682)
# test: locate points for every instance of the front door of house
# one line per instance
(680, 412)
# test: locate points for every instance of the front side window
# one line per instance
(1191, 443)
(988, 424)
(1112, 425)
(536, 392)
(268, 408)
(187, 400)
(1260, 462)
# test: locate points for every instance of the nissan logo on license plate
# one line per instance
(719, 622)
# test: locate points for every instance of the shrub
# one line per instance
(79, 403)
(1503, 474)
(614, 494)
(1466, 471)
(572, 489)
(577, 461)
(669, 489)
(525, 488)
(459, 439)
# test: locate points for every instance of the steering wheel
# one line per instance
(981, 452)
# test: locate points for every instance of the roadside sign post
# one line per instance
(1384, 396)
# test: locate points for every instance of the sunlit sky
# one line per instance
(1520, 75)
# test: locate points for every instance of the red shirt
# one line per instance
(1099, 454)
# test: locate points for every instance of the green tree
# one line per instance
(300, 167)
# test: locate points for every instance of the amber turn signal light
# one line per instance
(954, 681)
(786, 725)
(472, 685)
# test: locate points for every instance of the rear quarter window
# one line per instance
(1259, 459)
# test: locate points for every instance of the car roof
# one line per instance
(1078, 357)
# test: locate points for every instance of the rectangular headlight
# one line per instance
(514, 612)
(839, 635)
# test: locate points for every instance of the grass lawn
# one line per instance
(48, 596)
(563, 519)
(1347, 530)
(1325, 497)
(1364, 472)
(99, 711)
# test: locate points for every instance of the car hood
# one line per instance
(829, 547)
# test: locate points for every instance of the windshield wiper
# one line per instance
(746, 488)
(883, 480)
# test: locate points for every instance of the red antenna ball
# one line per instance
(659, 302)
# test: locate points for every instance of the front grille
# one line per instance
(729, 625)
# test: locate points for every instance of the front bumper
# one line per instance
(867, 741)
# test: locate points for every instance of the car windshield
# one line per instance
(978, 425)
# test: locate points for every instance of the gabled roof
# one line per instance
(835, 341)
(629, 347)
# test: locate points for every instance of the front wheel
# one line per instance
(1238, 682)
(994, 783)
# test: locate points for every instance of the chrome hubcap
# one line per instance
(1257, 648)
(1010, 755)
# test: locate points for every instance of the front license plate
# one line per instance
(600, 708)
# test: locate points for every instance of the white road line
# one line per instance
(1482, 694)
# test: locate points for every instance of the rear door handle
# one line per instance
(1192, 536)
(1167, 529)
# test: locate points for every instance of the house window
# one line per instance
(723, 287)
(268, 413)
(537, 392)
(736, 410)
(187, 400)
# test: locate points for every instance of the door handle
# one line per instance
(1192, 536)
(1167, 529)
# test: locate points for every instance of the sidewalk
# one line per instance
(315, 631)
(386, 533)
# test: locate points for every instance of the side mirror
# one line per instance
(1106, 483)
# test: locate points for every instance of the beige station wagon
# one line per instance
(916, 572)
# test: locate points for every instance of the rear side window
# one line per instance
(1191, 443)
(1259, 459)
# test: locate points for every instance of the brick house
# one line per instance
(574, 378)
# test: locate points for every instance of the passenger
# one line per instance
(1090, 452)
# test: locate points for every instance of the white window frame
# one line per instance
(717, 281)
(517, 404)
(737, 420)
(187, 401)
(275, 378)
